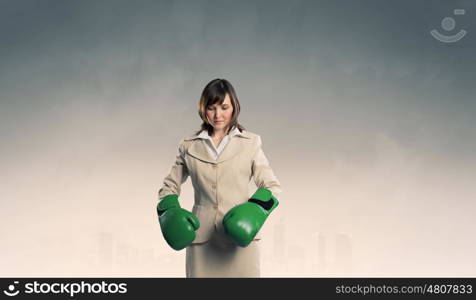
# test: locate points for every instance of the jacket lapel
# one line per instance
(234, 147)
(199, 150)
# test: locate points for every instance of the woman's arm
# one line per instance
(177, 176)
(243, 222)
(177, 224)
(263, 174)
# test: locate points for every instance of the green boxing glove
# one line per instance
(177, 224)
(243, 221)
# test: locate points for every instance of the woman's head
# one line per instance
(219, 107)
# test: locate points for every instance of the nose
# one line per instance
(218, 114)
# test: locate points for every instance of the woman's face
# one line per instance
(219, 115)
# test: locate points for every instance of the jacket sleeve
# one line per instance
(177, 176)
(263, 175)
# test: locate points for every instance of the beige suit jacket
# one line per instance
(220, 184)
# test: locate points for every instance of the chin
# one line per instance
(220, 126)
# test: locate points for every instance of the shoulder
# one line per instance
(186, 141)
(249, 134)
(255, 138)
(251, 138)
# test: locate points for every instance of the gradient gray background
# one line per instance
(367, 120)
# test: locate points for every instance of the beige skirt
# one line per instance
(219, 258)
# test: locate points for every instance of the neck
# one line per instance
(220, 133)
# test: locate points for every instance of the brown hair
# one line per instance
(215, 92)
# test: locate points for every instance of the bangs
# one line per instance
(216, 95)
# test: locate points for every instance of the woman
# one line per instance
(221, 234)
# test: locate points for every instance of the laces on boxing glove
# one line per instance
(267, 205)
(265, 199)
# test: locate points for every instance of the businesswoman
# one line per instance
(221, 233)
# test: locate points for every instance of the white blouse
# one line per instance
(215, 151)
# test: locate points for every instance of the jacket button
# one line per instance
(214, 186)
(214, 166)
